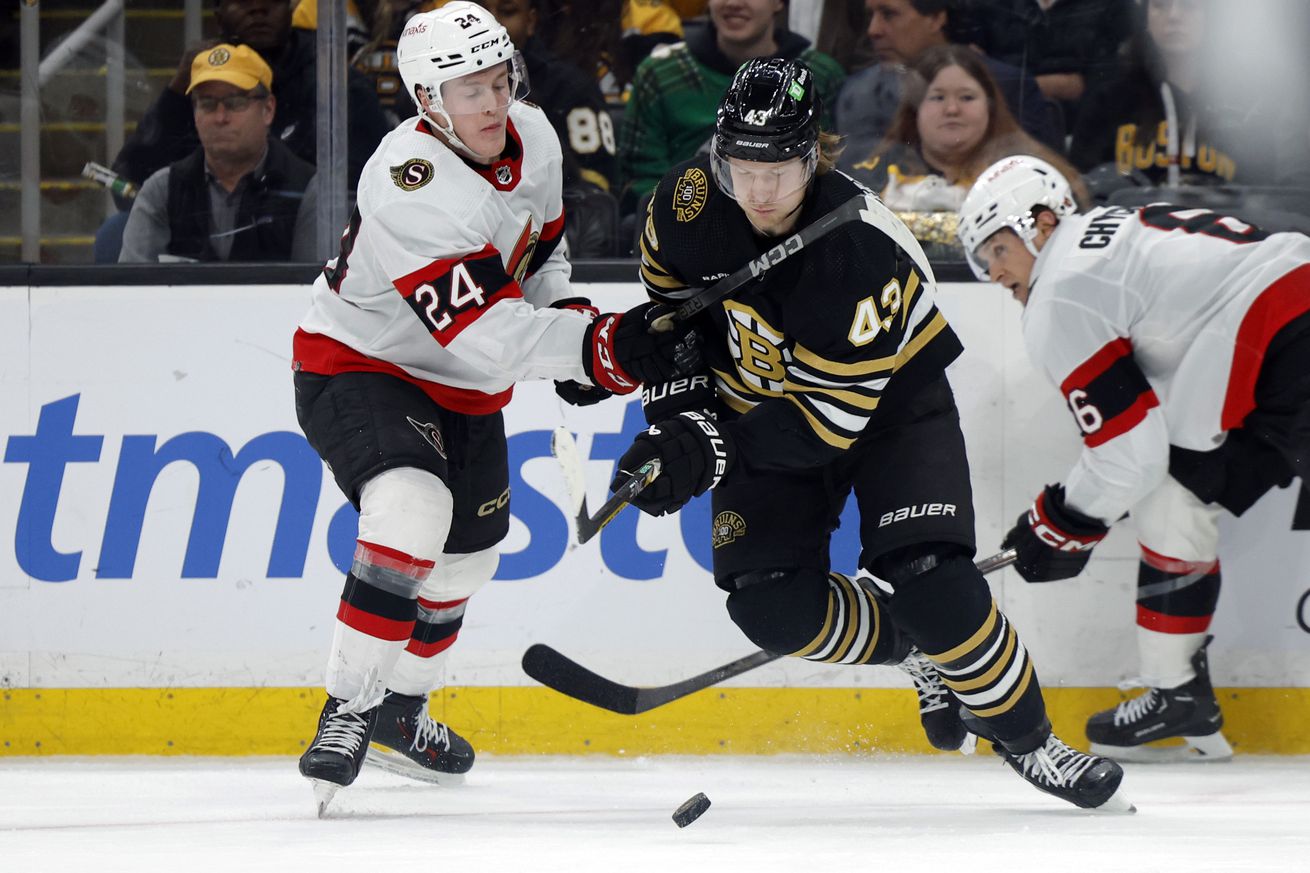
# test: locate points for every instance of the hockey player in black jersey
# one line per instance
(826, 375)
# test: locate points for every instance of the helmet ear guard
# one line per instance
(1006, 195)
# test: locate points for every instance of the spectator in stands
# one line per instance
(608, 38)
(1068, 45)
(242, 195)
(950, 125)
(646, 24)
(573, 103)
(842, 33)
(372, 29)
(363, 20)
(901, 30)
(1156, 115)
(168, 132)
(676, 91)
(571, 99)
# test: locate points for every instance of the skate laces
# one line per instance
(429, 731)
(1055, 763)
(343, 732)
(1131, 710)
(928, 682)
(345, 728)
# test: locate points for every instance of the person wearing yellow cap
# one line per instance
(167, 132)
(243, 195)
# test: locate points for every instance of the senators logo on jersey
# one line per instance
(412, 175)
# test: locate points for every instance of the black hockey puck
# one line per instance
(691, 810)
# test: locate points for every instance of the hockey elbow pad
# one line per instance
(1053, 541)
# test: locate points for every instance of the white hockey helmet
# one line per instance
(1005, 196)
(447, 43)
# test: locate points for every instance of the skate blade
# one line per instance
(1118, 804)
(1207, 749)
(394, 762)
(324, 791)
(970, 744)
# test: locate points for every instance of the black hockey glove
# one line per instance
(572, 392)
(619, 351)
(695, 454)
(1053, 541)
(663, 400)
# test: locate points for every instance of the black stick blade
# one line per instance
(571, 679)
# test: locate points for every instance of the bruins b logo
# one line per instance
(689, 194)
(412, 175)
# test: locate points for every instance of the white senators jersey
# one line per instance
(446, 269)
(1154, 322)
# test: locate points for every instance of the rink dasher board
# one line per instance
(107, 377)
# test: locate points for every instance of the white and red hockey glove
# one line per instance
(570, 391)
(1052, 540)
(619, 350)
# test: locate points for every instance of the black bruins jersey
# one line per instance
(845, 333)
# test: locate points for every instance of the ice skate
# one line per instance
(1086, 781)
(939, 712)
(410, 743)
(333, 759)
(1189, 713)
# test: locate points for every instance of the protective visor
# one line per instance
(761, 183)
(492, 90)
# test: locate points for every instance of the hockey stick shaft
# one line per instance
(590, 525)
(587, 524)
(555, 670)
(863, 207)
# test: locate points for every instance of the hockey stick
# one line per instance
(586, 524)
(568, 677)
(862, 207)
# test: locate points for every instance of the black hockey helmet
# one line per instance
(769, 115)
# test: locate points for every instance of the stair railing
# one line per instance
(107, 18)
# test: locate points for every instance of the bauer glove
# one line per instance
(1053, 541)
(695, 453)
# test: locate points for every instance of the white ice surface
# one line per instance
(801, 815)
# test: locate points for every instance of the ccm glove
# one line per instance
(576, 393)
(695, 453)
(1053, 541)
(619, 350)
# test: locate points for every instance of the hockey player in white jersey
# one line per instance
(450, 286)
(1180, 339)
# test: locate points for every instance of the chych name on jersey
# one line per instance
(1099, 233)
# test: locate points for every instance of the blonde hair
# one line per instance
(830, 149)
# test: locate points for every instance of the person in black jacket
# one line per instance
(1068, 45)
(168, 133)
(900, 31)
(242, 195)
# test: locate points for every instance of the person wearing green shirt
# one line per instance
(676, 91)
